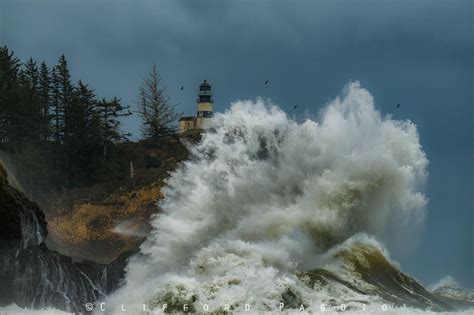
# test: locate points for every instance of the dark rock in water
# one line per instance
(291, 300)
(33, 276)
(36, 277)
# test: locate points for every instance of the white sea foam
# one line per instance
(450, 288)
(264, 197)
(14, 309)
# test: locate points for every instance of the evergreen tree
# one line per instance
(44, 90)
(62, 97)
(56, 133)
(158, 115)
(18, 100)
(10, 94)
(81, 130)
(31, 76)
(57, 113)
(63, 91)
(110, 113)
(30, 109)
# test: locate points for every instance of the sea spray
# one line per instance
(264, 198)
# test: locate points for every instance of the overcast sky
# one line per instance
(416, 53)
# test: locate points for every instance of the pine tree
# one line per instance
(44, 90)
(61, 100)
(31, 76)
(10, 94)
(158, 115)
(81, 140)
(55, 132)
(62, 97)
(110, 113)
(31, 112)
(80, 113)
(28, 153)
(57, 113)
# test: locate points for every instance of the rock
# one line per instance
(32, 275)
(22, 220)
(3, 175)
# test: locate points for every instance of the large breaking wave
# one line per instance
(265, 199)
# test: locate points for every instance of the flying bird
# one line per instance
(266, 82)
(182, 87)
(294, 107)
(398, 105)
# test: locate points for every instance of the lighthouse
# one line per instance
(204, 106)
(204, 111)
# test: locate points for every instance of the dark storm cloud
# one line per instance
(416, 53)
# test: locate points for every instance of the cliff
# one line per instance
(22, 220)
(32, 275)
(80, 255)
(110, 218)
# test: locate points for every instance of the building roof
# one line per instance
(187, 118)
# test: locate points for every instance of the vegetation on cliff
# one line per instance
(60, 134)
(69, 153)
(109, 218)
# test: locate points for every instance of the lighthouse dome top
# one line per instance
(205, 86)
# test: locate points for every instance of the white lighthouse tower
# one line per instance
(204, 106)
(204, 111)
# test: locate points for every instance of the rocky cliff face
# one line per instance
(22, 220)
(33, 276)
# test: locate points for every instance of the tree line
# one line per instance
(59, 133)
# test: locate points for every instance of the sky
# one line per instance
(418, 54)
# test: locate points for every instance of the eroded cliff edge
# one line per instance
(34, 276)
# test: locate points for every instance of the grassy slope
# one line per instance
(81, 222)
